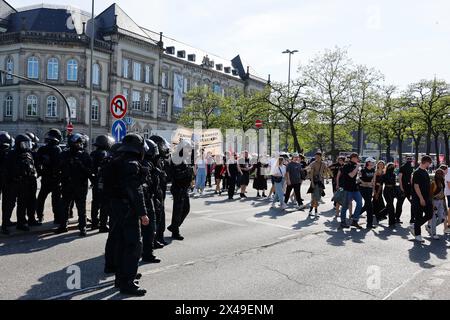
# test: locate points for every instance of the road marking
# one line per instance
(403, 284)
(288, 237)
(255, 220)
(224, 222)
(85, 290)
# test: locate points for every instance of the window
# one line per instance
(52, 69)
(8, 106)
(164, 80)
(95, 110)
(146, 134)
(125, 67)
(136, 100)
(33, 68)
(186, 84)
(125, 93)
(32, 106)
(163, 110)
(9, 68)
(148, 74)
(147, 103)
(52, 106)
(96, 74)
(72, 70)
(137, 71)
(73, 107)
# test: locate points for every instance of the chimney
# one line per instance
(268, 80)
(161, 43)
(84, 28)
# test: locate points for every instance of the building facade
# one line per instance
(51, 45)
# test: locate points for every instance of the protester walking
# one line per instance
(349, 174)
(367, 184)
(389, 182)
(278, 176)
(379, 208)
(439, 203)
(293, 179)
(317, 190)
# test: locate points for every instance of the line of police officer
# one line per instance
(129, 182)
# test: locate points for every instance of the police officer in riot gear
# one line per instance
(5, 147)
(33, 183)
(99, 158)
(76, 170)
(151, 188)
(47, 165)
(161, 163)
(20, 176)
(181, 174)
(123, 182)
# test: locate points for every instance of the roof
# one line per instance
(5, 9)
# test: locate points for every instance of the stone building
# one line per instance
(50, 44)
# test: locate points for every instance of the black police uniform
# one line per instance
(20, 177)
(76, 170)
(123, 182)
(47, 165)
(5, 148)
(181, 182)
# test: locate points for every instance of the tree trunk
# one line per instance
(297, 146)
(447, 148)
(400, 150)
(429, 134)
(388, 150)
(380, 148)
(417, 141)
(333, 142)
(438, 151)
(360, 133)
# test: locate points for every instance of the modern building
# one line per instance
(51, 44)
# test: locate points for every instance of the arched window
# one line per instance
(32, 106)
(8, 106)
(73, 107)
(52, 69)
(33, 68)
(52, 107)
(9, 68)
(95, 116)
(72, 70)
(96, 74)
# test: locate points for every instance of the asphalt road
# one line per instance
(239, 250)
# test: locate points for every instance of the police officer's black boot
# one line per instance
(175, 234)
(132, 289)
(5, 231)
(150, 259)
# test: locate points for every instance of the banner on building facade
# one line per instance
(178, 83)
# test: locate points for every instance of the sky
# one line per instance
(406, 40)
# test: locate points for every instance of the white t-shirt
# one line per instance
(278, 171)
(447, 182)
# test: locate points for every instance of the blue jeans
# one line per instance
(352, 195)
(279, 194)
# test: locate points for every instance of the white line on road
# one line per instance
(255, 220)
(403, 284)
(289, 236)
(224, 222)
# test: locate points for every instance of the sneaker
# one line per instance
(412, 230)
(419, 239)
(428, 228)
(273, 206)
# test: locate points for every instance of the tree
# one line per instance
(290, 102)
(401, 121)
(362, 94)
(330, 78)
(205, 106)
(425, 96)
(441, 128)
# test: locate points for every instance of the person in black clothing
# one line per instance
(260, 182)
(233, 170)
(182, 175)
(76, 171)
(349, 175)
(99, 158)
(33, 183)
(244, 165)
(405, 189)
(47, 165)
(20, 177)
(225, 175)
(367, 178)
(150, 188)
(389, 182)
(335, 168)
(422, 204)
(218, 172)
(123, 183)
(5, 148)
(162, 165)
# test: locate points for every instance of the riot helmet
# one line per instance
(23, 143)
(6, 141)
(77, 142)
(104, 142)
(53, 136)
(133, 143)
(163, 146)
(152, 149)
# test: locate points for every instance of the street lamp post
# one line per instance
(92, 73)
(290, 52)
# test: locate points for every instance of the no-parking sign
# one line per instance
(119, 107)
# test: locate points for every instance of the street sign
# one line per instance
(259, 124)
(119, 107)
(70, 128)
(119, 130)
(129, 121)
